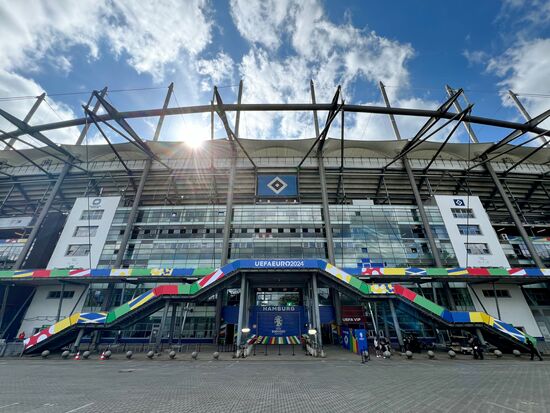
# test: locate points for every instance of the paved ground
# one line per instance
(274, 383)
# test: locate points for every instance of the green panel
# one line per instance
(428, 305)
(141, 271)
(120, 311)
(184, 289)
(203, 271)
(193, 288)
(6, 274)
(110, 317)
(355, 282)
(365, 288)
(59, 273)
(437, 272)
(497, 271)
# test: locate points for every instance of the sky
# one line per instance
(137, 48)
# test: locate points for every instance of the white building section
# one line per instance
(511, 303)
(85, 233)
(42, 311)
(473, 238)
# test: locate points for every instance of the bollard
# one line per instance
(387, 354)
(172, 354)
(86, 354)
(451, 354)
(498, 353)
(409, 354)
(431, 354)
(129, 354)
(45, 354)
(108, 354)
(65, 354)
(194, 355)
(150, 354)
(517, 353)
(216, 355)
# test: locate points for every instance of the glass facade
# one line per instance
(277, 231)
(188, 237)
(387, 236)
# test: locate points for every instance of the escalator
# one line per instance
(65, 331)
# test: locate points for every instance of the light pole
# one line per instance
(244, 331)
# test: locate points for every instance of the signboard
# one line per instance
(279, 264)
(353, 314)
(346, 339)
(277, 186)
(278, 321)
(361, 336)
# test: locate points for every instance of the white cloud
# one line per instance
(329, 54)
(525, 69)
(12, 84)
(476, 57)
(215, 70)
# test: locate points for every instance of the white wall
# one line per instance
(513, 310)
(43, 310)
(109, 206)
(496, 258)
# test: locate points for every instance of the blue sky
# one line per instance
(68, 48)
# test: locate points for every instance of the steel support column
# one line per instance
(142, 181)
(47, 205)
(323, 182)
(60, 305)
(337, 304)
(526, 115)
(218, 315)
(76, 343)
(231, 186)
(172, 323)
(162, 327)
(316, 313)
(3, 308)
(396, 323)
(414, 187)
(511, 210)
(30, 114)
(242, 309)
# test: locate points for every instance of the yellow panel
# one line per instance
(394, 271)
(476, 317)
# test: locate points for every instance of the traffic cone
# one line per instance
(102, 357)
(77, 357)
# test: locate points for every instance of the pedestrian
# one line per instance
(477, 348)
(21, 336)
(377, 346)
(533, 350)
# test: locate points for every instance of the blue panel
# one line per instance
(326, 312)
(461, 316)
(182, 272)
(277, 186)
(353, 271)
(101, 272)
(231, 314)
(447, 316)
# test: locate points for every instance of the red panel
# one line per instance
(478, 271)
(41, 273)
(405, 292)
(166, 290)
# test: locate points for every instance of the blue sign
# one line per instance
(279, 264)
(459, 202)
(278, 321)
(361, 336)
(277, 186)
(346, 339)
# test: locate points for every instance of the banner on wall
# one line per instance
(346, 338)
(273, 186)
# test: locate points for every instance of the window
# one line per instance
(462, 213)
(85, 232)
(499, 293)
(57, 294)
(92, 214)
(477, 249)
(469, 229)
(78, 250)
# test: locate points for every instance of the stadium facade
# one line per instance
(152, 241)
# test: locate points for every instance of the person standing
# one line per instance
(477, 348)
(533, 350)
